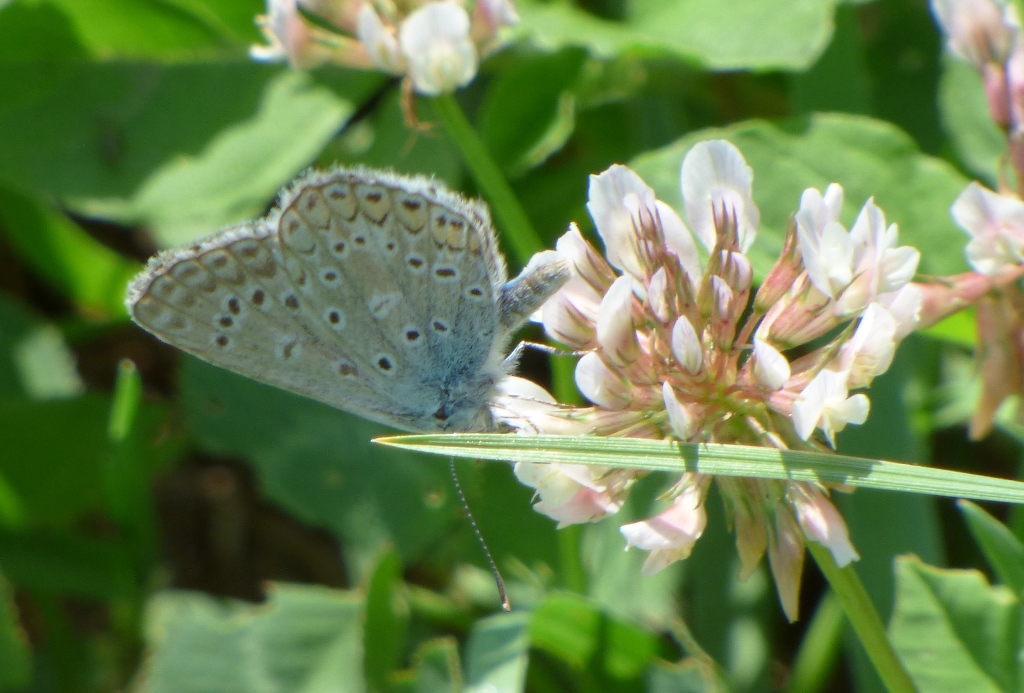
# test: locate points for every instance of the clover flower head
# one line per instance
(678, 344)
(436, 45)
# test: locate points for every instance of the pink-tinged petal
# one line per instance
(978, 31)
(435, 42)
(658, 297)
(771, 368)
(612, 197)
(786, 557)
(679, 241)
(996, 226)
(724, 313)
(670, 536)
(380, 41)
(716, 180)
(570, 494)
(490, 17)
(615, 331)
(570, 322)
(686, 346)
(601, 385)
(678, 418)
(998, 358)
(589, 264)
(290, 37)
(822, 523)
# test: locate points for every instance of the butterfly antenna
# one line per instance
(505, 603)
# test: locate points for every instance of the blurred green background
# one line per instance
(213, 534)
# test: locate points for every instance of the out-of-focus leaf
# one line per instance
(67, 563)
(954, 632)
(573, 630)
(683, 678)
(387, 622)
(318, 463)
(869, 158)
(963, 108)
(240, 169)
(15, 657)
(146, 29)
(305, 639)
(528, 112)
(35, 363)
(1002, 549)
(437, 667)
(729, 35)
(497, 654)
(87, 272)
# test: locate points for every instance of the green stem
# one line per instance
(510, 215)
(864, 619)
(819, 647)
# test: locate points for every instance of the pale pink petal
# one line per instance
(686, 346)
(716, 180)
(615, 331)
(678, 418)
(599, 384)
(771, 368)
(612, 195)
(823, 524)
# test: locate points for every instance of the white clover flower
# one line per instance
(435, 42)
(995, 224)
(978, 31)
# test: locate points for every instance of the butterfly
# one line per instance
(380, 294)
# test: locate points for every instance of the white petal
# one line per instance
(615, 331)
(435, 41)
(598, 384)
(686, 346)
(715, 175)
(771, 369)
(379, 41)
(657, 295)
(608, 207)
(679, 241)
(678, 418)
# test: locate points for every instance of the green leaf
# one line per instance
(68, 563)
(387, 622)
(304, 639)
(90, 274)
(241, 168)
(1002, 549)
(730, 35)
(711, 458)
(953, 631)
(867, 157)
(437, 667)
(527, 114)
(15, 656)
(497, 654)
(35, 362)
(317, 462)
(978, 142)
(598, 648)
(145, 29)
(682, 678)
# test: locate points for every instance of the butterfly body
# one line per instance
(379, 294)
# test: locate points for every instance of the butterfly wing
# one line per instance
(370, 292)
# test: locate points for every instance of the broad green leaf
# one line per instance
(712, 458)
(953, 632)
(245, 165)
(721, 35)
(869, 158)
(387, 622)
(35, 362)
(37, 31)
(682, 678)
(68, 563)
(15, 656)
(1002, 549)
(317, 463)
(146, 29)
(305, 639)
(964, 112)
(437, 667)
(528, 113)
(597, 647)
(84, 270)
(497, 654)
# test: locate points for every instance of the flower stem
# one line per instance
(510, 215)
(864, 619)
